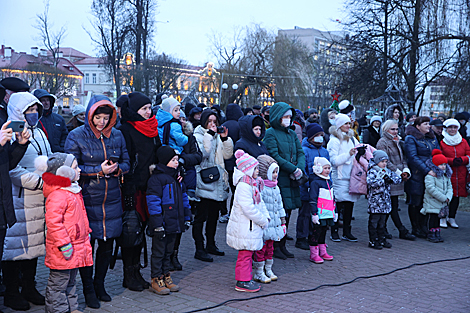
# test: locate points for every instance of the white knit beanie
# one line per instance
(341, 119)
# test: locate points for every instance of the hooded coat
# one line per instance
(284, 147)
(66, 222)
(101, 193)
(342, 163)
(248, 141)
(325, 124)
(247, 219)
(52, 124)
(378, 188)
(438, 189)
(25, 240)
(177, 139)
(418, 149)
(311, 152)
(234, 113)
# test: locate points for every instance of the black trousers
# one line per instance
(377, 226)
(303, 220)
(317, 234)
(453, 206)
(416, 218)
(102, 260)
(207, 211)
(432, 221)
(395, 216)
(161, 251)
(347, 208)
(11, 272)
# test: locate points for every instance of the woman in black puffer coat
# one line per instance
(419, 142)
(102, 157)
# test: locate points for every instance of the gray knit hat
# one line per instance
(379, 156)
(59, 164)
(265, 161)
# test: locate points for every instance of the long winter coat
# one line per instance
(214, 152)
(396, 159)
(248, 141)
(338, 147)
(370, 136)
(101, 194)
(418, 149)
(177, 139)
(66, 222)
(167, 201)
(234, 113)
(25, 240)
(247, 219)
(284, 147)
(378, 188)
(438, 189)
(272, 199)
(459, 173)
(311, 152)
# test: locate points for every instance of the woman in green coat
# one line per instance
(284, 146)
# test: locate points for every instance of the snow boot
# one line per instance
(130, 281)
(258, 274)
(159, 287)
(438, 235)
(314, 257)
(323, 254)
(247, 286)
(432, 236)
(269, 269)
(175, 262)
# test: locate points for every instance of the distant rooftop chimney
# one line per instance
(7, 52)
(43, 52)
(34, 51)
(60, 54)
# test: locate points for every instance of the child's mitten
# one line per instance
(67, 251)
(284, 228)
(316, 219)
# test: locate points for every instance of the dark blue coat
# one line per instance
(249, 142)
(55, 128)
(311, 152)
(192, 156)
(418, 149)
(101, 194)
(234, 113)
(167, 201)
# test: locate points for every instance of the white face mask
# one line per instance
(332, 121)
(318, 139)
(285, 122)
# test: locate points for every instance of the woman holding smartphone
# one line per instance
(101, 152)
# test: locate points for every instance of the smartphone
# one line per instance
(17, 126)
(220, 130)
(113, 159)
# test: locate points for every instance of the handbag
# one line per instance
(444, 212)
(132, 234)
(210, 174)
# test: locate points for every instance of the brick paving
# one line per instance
(439, 287)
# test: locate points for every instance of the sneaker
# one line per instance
(349, 237)
(247, 286)
(335, 237)
(407, 236)
(375, 245)
(452, 223)
(224, 218)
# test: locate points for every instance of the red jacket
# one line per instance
(66, 222)
(459, 173)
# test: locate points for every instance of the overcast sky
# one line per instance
(189, 22)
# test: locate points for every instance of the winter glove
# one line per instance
(155, 224)
(388, 180)
(186, 225)
(457, 161)
(316, 219)
(284, 228)
(298, 173)
(335, 218)
(67, 251)
(360, 152)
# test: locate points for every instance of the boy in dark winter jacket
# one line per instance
(379, 179)
(170, 215)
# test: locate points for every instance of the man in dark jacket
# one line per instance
(234, 113)
(51, 123)
(9, 85)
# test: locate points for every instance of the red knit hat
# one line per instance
(438, 158)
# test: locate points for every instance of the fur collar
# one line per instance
(438, 171)
(340, 135)
(413, 131)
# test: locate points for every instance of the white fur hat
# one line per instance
(451, 122)
(341, 119)
(345, 107)
(318, 164)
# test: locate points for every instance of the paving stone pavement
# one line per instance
(438, 287)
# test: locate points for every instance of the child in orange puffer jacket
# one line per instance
(67, 241)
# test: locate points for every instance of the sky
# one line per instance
(183, 26)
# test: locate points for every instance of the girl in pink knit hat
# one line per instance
(248, 219)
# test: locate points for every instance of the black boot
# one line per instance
(432, 236)
(13, 299)
(347, 235)
(102, 260)
(138, 275)
(405, 234)
(175, 262)
(201, 253)
(277, 251)
(86, 273)
(334, 233)
(283, 249)
(28, 289)
(130, 281)
(302, 243)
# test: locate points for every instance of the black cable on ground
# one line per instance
(328, 285)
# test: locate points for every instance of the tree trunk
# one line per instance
(138, 46)
(411, 81)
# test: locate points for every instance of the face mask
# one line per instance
(80, 120)
(285, 122)
(31, 118)
(318, 139)
(332, 121)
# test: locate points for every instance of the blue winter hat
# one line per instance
(313, 129)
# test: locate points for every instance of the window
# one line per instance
(94, 78)
(65, 102)
(87, 78)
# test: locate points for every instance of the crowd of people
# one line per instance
(117, 173)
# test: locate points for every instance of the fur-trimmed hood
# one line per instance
(188, 128)
(438, 171)
(413, 131)
(325, 122)
(389, 113)
(340, 135)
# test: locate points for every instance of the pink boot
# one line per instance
(314, 257)
(323, 254)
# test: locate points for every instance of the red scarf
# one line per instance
(147, 128)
